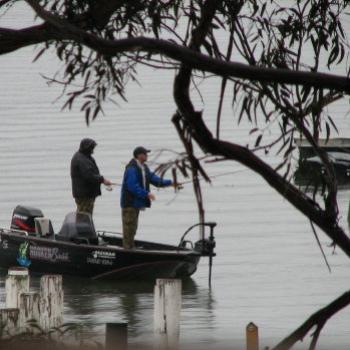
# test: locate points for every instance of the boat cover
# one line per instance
(78, 227)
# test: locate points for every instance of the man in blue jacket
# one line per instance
(135, 193)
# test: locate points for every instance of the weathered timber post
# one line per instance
(116, 336)
(17, 282)
(9, 322)
(252, 336)
(51, 301)
(167, 307)
(29, 309)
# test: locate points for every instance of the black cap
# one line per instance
(140, 150)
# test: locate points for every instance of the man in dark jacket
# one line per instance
(86, 178)
(135, 193)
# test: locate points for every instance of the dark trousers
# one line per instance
(130, 218)
(85, 204)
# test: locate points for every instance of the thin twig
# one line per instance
(319, 244)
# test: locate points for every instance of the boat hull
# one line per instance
(313, 173)
(311, 170)
(48, 256)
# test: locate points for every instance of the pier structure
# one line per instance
(45, 309)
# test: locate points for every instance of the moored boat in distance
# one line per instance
(311, 171)
(78, 249)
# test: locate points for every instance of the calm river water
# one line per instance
(268, 268)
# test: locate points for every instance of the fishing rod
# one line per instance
(215, 176)
(115, 184)
(109, 188)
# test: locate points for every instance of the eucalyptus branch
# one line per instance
(273, 143)
(318, 319)
(63, 30)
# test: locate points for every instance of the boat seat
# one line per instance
(79, 228)
(43, 227)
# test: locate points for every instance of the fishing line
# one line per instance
(218, 175)
(115, 184)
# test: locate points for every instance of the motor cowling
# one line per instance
(23, 218)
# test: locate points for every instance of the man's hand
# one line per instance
(178, 186)
(151, 197)
(107, 182)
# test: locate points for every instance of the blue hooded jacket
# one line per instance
(133, 193)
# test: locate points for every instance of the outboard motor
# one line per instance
(23, 218)
(205, 246)
(78, 227)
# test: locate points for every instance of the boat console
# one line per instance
(78, 227)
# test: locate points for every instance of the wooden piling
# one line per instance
(9, 322)
(51, 301)
(29, 309)
(116, 336)
(17, 282)
(167, 307)
(252, 336)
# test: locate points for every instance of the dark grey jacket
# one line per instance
(86, 178)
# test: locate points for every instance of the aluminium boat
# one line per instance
(80, 250)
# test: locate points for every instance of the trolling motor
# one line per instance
(205, 246)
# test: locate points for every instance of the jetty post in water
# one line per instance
(51, 295)
(45, 308)
(252, 335)
(167, 308)
(116, 336)
(29, 308)
(17, 282)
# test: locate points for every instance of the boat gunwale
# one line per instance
(26, 236)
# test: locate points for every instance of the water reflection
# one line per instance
(94, 303)
(98, 302)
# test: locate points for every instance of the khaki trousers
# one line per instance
(85, 204)
(130, 218)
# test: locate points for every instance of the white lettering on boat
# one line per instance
(97, 261)
(47, 254)
(103, 254)
(21, 217)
